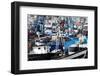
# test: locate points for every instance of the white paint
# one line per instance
(36, 50)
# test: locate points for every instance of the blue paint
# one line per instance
(66, 44)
